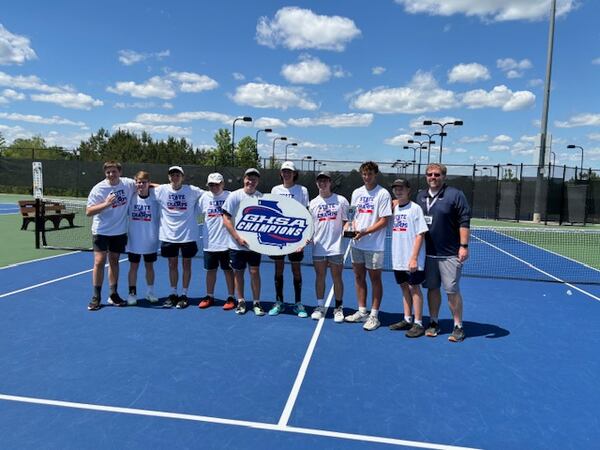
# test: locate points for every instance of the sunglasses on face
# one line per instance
(433, 174)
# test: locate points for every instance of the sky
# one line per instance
(348, 80)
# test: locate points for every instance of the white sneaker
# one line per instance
(371, 324)
(357, 317)
(318, 313)
(151, 298)
(131, 300)
(338, 315)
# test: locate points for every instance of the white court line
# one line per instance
(589, 294)
(66, 277)
(39, 259)
(291, 401)
(233, 422)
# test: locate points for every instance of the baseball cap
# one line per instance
(288, 165)
(176, 169)
(214, 178)
(401, 182)
(324, 175)
(252, 171)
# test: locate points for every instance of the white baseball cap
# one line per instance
(252, 171)
(176, 169)
(289, 165)
(215, 178)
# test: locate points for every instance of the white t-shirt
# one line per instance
(111, 221)
(178, 211)
(408, 221)
(214, 234)
(370, 207)
(329, 215)
(297, 192)
(144, 215)
(231, 206)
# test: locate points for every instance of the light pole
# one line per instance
(293, 144)
(302, 162)
(422, 143)
(244, 119)
(266, 130)
(414, 160)
(580, 148)
(456, 123)
(553, 155)
(281, 138)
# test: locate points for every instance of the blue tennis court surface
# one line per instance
(8, 208)
(147, 377)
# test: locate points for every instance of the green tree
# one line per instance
(2, 140)
(245, 154)
(35, 148)
(93, 148)
(222, 154)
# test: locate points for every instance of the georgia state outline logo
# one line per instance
(271, 226)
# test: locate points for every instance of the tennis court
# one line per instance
(147, 377)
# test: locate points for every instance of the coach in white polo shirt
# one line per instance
(216, 240)
(373, 206)
(178, 230)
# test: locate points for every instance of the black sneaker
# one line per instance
(415, 331)
(241, 307)
(94, 304)
(458, 334)
(116, 300)
(182, 303)
(170, 301)
(402, 325)
(433, 330)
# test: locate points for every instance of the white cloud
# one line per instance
(468, 73)
(264, 95)
(296, 29)
(399, 140)
(10, 95)
(269, 122)
(596, 61)
(30, 83)
(32, 118)
(74, 100)
(378, 70)
(130, 57)
(535, 82)
(193, 82)
(420, 95)
(498, 148)
(154, 87)
(461, 150)
(513, 68)
(474, 139)
(580, 120)
(14, 49)
(594, 136)
(238, 76)
(309, 70)
(140, 105)
(502, 139)
(489, 10)
(137, 127)
(498, 97)
(185, 117)
(417, 123)
(334, 121)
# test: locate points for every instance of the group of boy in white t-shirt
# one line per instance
(130, 216)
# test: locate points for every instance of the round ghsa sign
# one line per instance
(273, 224)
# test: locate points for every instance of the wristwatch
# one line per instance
(464, 245)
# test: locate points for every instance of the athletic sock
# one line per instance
(362, 310)
(433, 319)
(98, 291)
(113, 289)
(374, 312)
(320, 302)
(338, 303)
(173, 290)
(409, 319)
(132, 290)
(298, 290)
(279, 288)
(151, 289)
(185, 291)
(419, 322)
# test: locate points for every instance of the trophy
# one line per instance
(350, 232)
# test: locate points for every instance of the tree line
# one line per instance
(126, 146)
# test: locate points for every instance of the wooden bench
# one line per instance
(54, 212)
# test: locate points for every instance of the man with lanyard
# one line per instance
(178, 231)
(108, 203)
(241, 256)
(289, 188)
(329, 212)
(448, 217)
(216, 240)
(373, 208)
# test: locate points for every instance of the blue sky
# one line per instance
(344, 79)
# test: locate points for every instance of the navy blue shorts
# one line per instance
(241, 258)
(292, 257)
(113, 244)
(171, 249)
(412, 278)
(136, 257)
(212, 260)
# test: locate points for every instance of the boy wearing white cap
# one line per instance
(215, 240)
(289, 188)
(178, 231)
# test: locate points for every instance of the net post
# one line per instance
(519, 193)
(562, 196)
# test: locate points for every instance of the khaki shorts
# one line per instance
(444, 271)
(331, 259)
(371, 259)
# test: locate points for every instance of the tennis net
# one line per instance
(522, 253)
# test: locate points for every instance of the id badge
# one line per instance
(428, 220)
